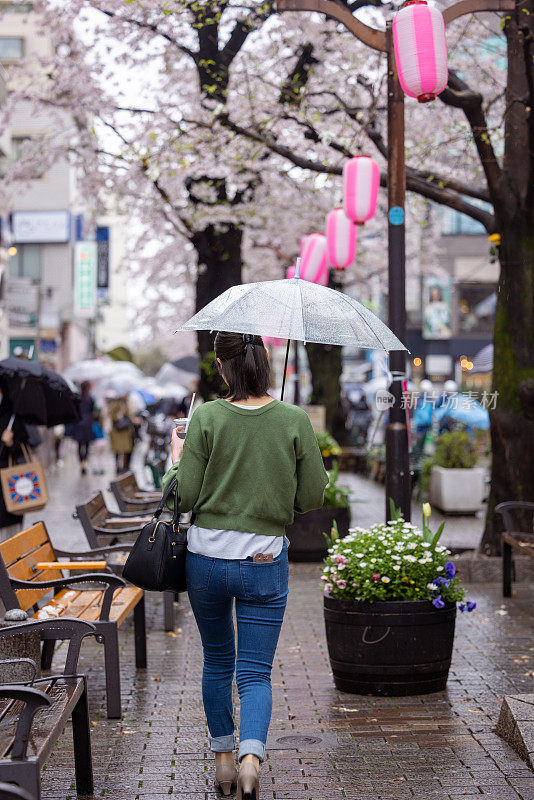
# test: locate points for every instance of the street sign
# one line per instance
(40, 226)
(85, 264)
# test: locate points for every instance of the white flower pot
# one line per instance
(457, 490)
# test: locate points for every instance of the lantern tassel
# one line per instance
(297, 268)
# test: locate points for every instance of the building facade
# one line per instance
(58, 299)
(451, 305)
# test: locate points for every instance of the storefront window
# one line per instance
(26, 262)
(476, 307)
(11, 48)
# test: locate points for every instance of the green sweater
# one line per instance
(248, 469)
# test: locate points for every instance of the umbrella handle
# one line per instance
(285, 370)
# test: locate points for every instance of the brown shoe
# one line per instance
(225, 777)
(248, 782)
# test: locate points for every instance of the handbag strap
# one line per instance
(173, 485)
(27, 452)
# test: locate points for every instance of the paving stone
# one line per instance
(432, 747)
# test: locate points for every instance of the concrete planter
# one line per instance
(460, 491)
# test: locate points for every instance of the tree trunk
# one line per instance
(219, 267)
(325, 367)
(512, 420)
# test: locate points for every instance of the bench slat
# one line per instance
(124, 601)
(72, 606)
(48, 722)
(22, 570)
(22, 543)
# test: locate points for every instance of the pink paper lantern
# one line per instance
(302, 244)
(361, 179)
(314, 265)
(420, 50)
(340, 239)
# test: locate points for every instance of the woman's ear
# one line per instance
(219, 364)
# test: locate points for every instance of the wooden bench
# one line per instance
(104, 526)
(95, 519)
(32, 716)
(514, 537)
(25, 583)
(130, 497)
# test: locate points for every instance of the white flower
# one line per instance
(341, 566)
(439, 569)
(422, 560)
(427, 554)
(410, 558)
(396, 566)
(358, 555)
(385, 579)
(431, 586)
(412, 545)
(373, 561)
(363, 563)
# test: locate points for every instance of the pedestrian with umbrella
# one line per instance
(82, 431)
(31, 395)
(246, 464)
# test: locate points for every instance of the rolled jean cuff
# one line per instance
(222, 744)
(252, 747)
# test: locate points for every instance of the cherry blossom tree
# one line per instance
(472, 152)
(223, 128)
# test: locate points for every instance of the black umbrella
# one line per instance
(36, 395)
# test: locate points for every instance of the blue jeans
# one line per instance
(260, 592)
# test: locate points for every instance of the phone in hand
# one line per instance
(183, 422)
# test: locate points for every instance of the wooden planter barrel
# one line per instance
(392, 648)
(306, 533)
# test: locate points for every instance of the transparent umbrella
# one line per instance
(295, 309)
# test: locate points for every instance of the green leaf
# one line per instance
(437, 536)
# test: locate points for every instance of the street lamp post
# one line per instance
(398, 479)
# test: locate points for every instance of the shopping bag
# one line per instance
(24, 485)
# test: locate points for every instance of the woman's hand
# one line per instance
(177, 445)
(7, 437)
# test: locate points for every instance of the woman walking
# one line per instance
(121, 436)
(82, 431)
(247, 463)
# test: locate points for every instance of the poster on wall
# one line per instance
(437, 301)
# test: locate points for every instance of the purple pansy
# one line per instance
(441, 581)
(461, 606)
(450, 570)
(470, 605)
(438, 602)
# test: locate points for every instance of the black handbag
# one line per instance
(157, 560)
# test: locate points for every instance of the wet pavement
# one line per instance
(323, 744)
